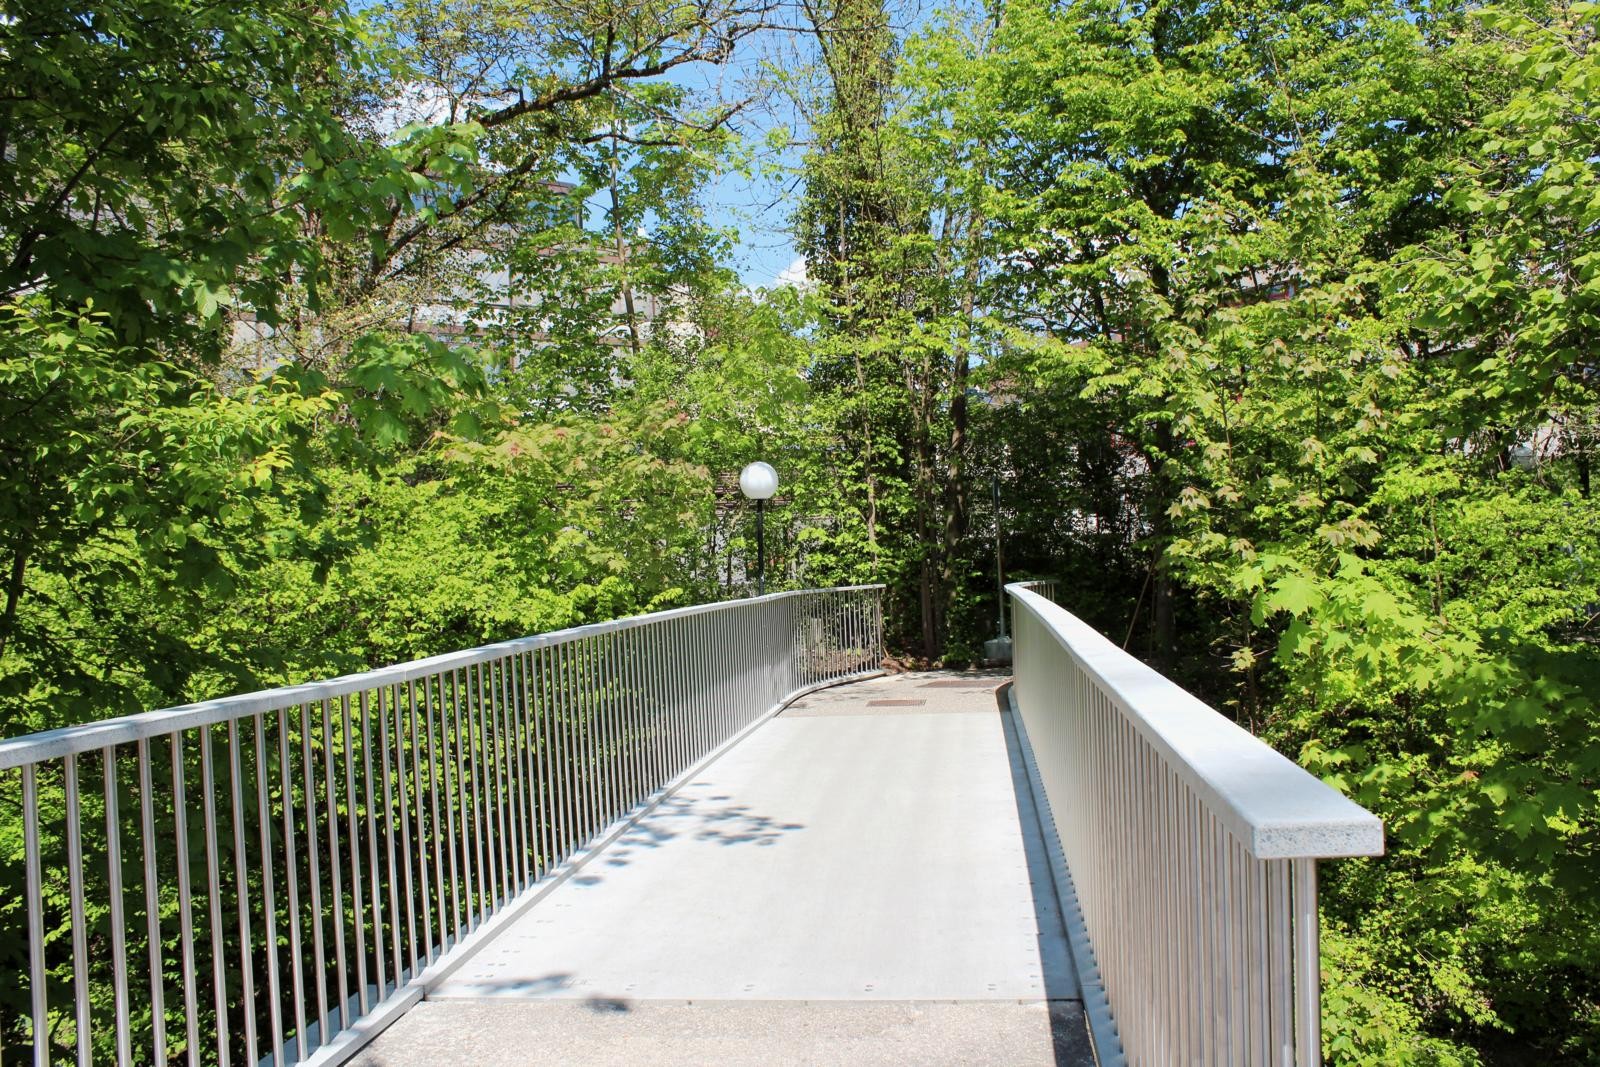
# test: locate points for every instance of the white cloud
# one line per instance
(794, 275)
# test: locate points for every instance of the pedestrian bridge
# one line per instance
(711, 835)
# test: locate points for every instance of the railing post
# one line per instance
(1307, 966)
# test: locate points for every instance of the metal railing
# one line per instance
(1191, 847)
(351, 840)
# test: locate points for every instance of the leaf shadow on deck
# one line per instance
(686, 816)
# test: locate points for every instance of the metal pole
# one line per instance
(761, 547)
(999, 558)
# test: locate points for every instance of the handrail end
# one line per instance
(1358, 835)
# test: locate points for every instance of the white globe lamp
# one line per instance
(759, 482)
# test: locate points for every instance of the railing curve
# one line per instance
(1191, 846)
(351, 839)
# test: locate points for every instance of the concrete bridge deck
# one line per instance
(860, 880)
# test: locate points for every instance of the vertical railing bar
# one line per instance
(375, 879)
(219, 968)
(691, 670)
(538, 755)
(811, 639)
(1216, 1008)
(241, 881)
(451, 795)
(642, 777)
(669, 682)
(119, 930)
(603, 721)
(1229, 915)
(268, 903)
(1241, 950)
(506, 772)
(583, 791)
(620, 800)
(584, 736)
(442, 927)
(638, 713)
(517, 754)
(646, 694)
(707, 654)
(592, 688)
(1149, 931)
(538, 852)
(678, 679)
(877, 596)
(494, 745)
(313, 845)
(556, 697)
(180, 826)
(652, 694)
(489, 706)
(1307, 965)
(80, 948)
(439, 846)
(547, 696)
(1281, 964)
(291, 868)
(706, 709)
(1167, 986)
(357, 907)
(505, 720)
(511, 716)
(749, 692)
(1172, 816)
(1260, 1052)
(456, 803)
(36, 977)
(1216, 982)
(528, 767)
(622, 667)
(481, 850)
(330, 794)
(610, 724)
(681, 665)
(839, 608)
(419, 823)
(1195, 918)
(727, 666)
(566, 737)
(543, 807)
(593, 786)
(392, 882)
(490, 765)
(747, 682)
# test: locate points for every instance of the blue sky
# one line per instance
(754, 206)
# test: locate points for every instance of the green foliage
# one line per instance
(1268, 327)
(1325, 285)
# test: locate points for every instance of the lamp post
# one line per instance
(759, 482)
(998, 650)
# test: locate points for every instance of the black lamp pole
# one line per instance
(761, 547)
(999, 558)
(758, 481)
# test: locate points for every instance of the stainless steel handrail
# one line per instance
(353, 832)
(1191, 846)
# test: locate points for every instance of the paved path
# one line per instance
(858, 881)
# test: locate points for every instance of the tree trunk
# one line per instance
(1163, 633)
(622, 246)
